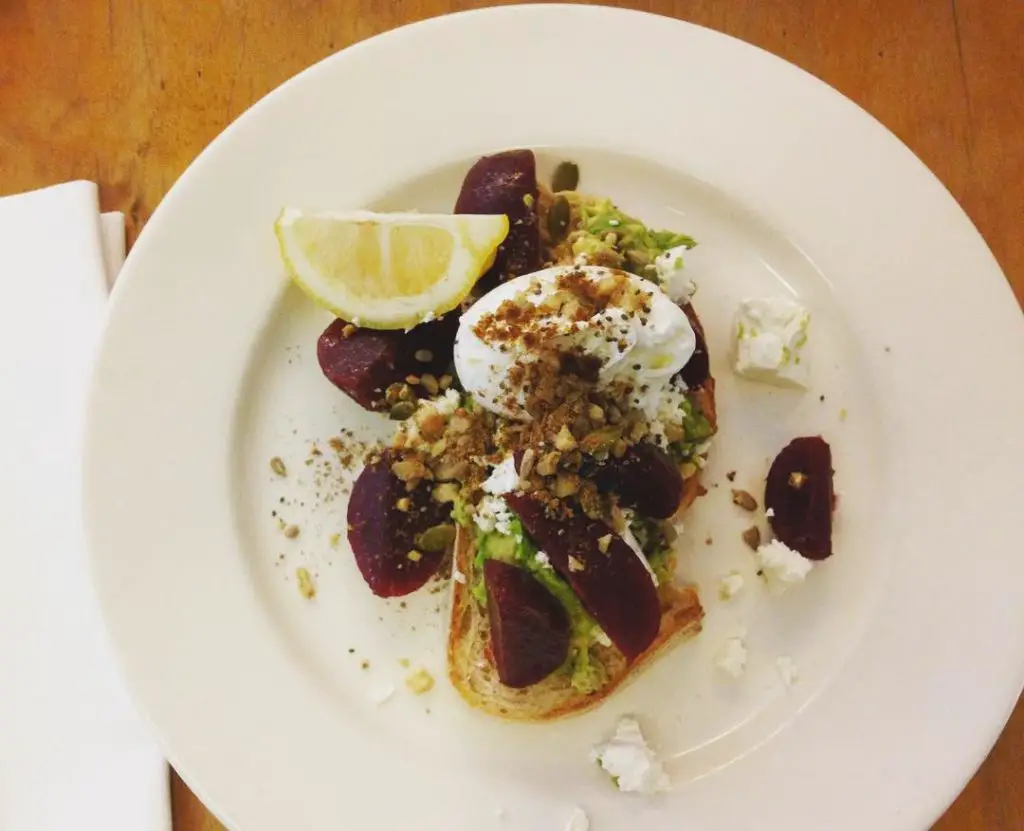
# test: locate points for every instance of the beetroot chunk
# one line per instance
(800, 497)
(367, 361)
(604, 572)
(382, 535)
(645, 479)
(529, 627)
(506, 183)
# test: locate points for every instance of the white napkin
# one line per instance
(73, 754)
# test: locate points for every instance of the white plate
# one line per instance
(909, 641)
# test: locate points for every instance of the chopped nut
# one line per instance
(526, 465)
(575, 565)
(619, 448)
(409, 469)
(603, 543)
(752, 537)
(566, 485)
(348, 330)
(438, 448)
(548, 464)
(446, 492)
(638, 430)
(424, 356)
(277, 465)
(744, 500)
(444, 381)
(731, 476)
(403, 504)
(674, 432)
(291, 532)
(412, 380)
(430, 422)
(596, 413)
(797, 479)
(564, 440)
(307, 588)
(429, 383)
(420, 681)
(414, 556)
(459, 423)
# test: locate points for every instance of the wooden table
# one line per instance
(127, 92)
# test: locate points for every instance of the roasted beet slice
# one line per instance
(602, 570)
(529, 627)
(698, 368)
(799, 495)
(382, 535)
(645, 479)
(506, 183)
(367, 361)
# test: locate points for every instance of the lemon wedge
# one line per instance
(387, 271)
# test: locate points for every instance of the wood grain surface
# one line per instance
(127, 92)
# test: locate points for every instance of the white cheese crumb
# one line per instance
(787, 670)
(770, 513)
(781, 565)
(503, 478)
(600, 636)
(542, 558)
(492, 514)
(447, 403)
(673, 277)
(459, 577)
(732, 657)
(770, 335)
(730, 585)
(629, 761)
(578, 821)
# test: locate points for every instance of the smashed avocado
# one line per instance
(696, 431)
(587, 676)
(615, 238)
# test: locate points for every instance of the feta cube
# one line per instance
(771, 333)
(730, 585)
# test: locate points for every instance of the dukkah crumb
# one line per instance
(307, 588)
(291, 532)
(744, 500)
(277, 465)
(752, 537)
(420, 681)
(731, 476)
(364, 664)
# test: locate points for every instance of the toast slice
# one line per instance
(471, 667)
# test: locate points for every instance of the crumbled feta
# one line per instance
(732, 657)
(459, 577)
(770, 513)
(492, 514)
(599, 636)
(781, 565)
(730, 585)
(578, 821)
(503, 478)
(770, 334)
(787, 670)
(629, 761)
(542, 558)
(672, 276)
(448, 403)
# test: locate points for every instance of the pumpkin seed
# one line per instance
(558, 219)
(436, 539)
(565, 177)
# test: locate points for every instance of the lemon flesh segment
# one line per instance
(387, 271)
